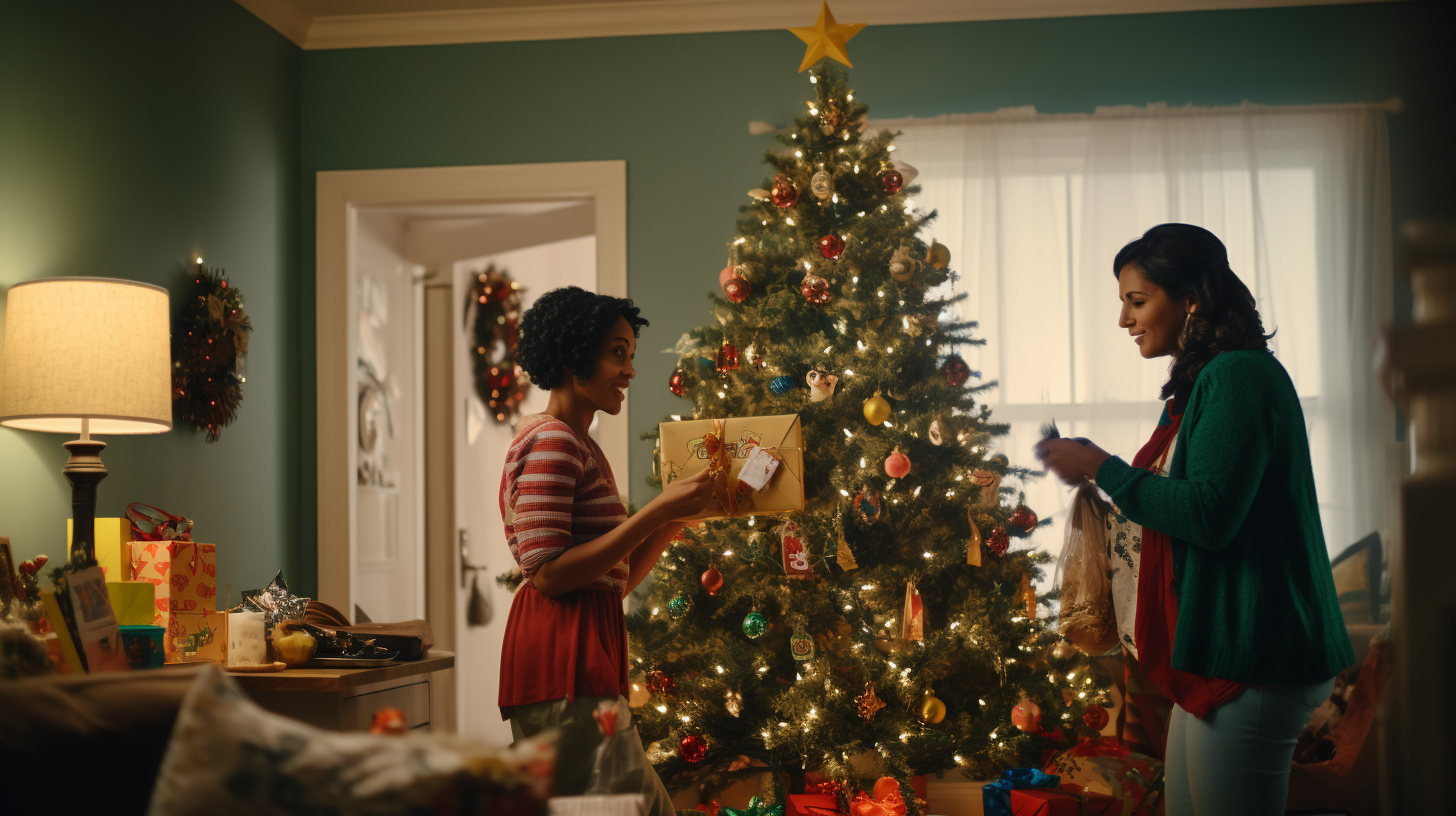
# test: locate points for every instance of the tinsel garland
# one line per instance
(499, 382)
(209, 343)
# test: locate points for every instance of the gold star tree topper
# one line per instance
(826, 38)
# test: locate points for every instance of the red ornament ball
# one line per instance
(783, 193)
(831, 246)
(816, 289)
(998, 542)
(737, 289)
(956, 371)
(1026, 716)
(897, 464)
(692, 748)
(1095, 718)
(892, 181)
(660, 682)
(712, 580)
(1023, 518)
(678, 383)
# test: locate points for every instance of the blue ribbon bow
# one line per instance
(996, 797)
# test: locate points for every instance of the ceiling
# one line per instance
(321, 24)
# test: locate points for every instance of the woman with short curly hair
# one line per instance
(565, 645)
(1236, 617)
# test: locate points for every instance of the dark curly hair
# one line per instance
(1190, 262)
(563, 330)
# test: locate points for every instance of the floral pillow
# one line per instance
(229, 756)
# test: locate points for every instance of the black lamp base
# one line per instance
(84, 471)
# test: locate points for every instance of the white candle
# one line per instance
(246, 646)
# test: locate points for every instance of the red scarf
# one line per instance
(1157, 602)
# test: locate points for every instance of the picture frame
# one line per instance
(9, 581)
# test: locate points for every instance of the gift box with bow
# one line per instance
(1062, 802)
(758, 462)
(184, 573)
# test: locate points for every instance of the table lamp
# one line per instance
(86, 356)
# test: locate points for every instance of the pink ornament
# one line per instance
(728, 272)
(897, 465)
(1027, 716)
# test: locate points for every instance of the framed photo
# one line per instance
(9, 581)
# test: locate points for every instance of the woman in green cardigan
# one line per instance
(1237, 617)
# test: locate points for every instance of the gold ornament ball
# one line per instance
(932, 710)
(938, 256)
(876, 409)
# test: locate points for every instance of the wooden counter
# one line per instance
(346, 699)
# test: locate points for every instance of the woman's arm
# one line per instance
(644, 558)
(576, 566)
(1228, 448)
(584, 563)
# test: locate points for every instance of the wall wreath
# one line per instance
(209, 342)
(495, 300)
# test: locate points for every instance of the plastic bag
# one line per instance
(620, 764)
(1088, 620)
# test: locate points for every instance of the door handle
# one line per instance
(465, 565)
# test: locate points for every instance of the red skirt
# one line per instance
(574, 645)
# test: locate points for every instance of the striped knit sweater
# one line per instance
(557, 492)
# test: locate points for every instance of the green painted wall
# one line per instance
(134, 135)
(131, 136)
(676, 108)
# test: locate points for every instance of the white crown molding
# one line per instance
(646, 17)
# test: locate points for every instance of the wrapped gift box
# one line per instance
(134, 603)
(194, 636)
(183, 572)
(1059, 802)
(112, 554)
(690, 446)
(813, 804)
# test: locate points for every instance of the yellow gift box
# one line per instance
(725, 445)
(134, 603)
(112, 553)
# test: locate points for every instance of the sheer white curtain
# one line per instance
(1035, 207)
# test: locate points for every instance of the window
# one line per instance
(1035, 207)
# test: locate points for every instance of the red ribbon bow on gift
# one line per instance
(1106, 746)
(886, 800)
(150, 523)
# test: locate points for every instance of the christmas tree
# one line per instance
(915, 644)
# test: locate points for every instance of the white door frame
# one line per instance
(340, 193)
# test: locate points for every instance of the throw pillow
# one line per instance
(229, 756)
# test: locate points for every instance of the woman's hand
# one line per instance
(1073, 461)
(687, 496)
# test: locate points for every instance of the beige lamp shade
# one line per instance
(92, 348)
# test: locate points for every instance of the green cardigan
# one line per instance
(1256, 598)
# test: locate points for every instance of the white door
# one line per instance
(389, 541)
(480, 450)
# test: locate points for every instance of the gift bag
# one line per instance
(620, 764)
(1087, 619)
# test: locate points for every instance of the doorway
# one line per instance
(550, 225)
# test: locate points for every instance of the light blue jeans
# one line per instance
(1235, 761)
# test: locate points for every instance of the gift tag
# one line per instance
(758, 469)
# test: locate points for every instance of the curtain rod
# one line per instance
(1029, 113)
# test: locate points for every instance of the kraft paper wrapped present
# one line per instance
(196, 636)
(112, 553)
(133, 602)
(184, 573)
(758, 462)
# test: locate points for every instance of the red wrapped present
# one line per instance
(1059, 802)
(813, 804)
